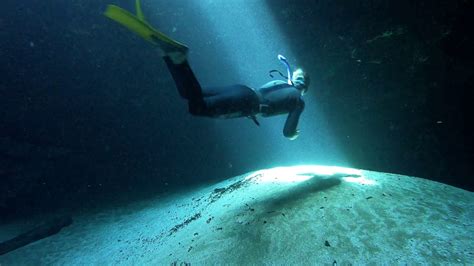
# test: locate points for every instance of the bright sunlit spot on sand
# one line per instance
(301, 173)
(359, 180)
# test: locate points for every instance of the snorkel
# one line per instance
(299, 79)
(288, 68)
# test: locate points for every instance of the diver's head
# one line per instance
(300, 80)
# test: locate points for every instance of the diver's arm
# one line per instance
(291, 123)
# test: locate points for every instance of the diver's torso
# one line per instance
(278, 97)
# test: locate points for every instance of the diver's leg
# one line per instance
(231, 101)
(188, 85)
(185, 80)
(174, 52)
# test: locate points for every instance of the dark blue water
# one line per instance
(89, 110)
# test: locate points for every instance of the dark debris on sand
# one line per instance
(219, 192)
(183, 224)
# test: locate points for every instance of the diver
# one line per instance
(274, 98)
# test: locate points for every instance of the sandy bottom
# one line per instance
(294, 215)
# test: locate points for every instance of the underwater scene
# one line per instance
(236, 132)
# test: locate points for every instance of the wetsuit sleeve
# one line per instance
(291, 123)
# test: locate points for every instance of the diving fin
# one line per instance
(138, 8)
(137, 24)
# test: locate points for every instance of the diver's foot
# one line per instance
(176, 51)
(177, 57)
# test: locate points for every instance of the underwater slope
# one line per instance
(301, 215)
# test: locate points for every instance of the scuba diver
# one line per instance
(274, 98)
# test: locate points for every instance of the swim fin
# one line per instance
(138, 25)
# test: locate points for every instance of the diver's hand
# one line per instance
(294, 136)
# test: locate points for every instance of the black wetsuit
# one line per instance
(274, 98)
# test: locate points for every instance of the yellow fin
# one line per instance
(129, 21)
(142, 28)
(138, 8)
